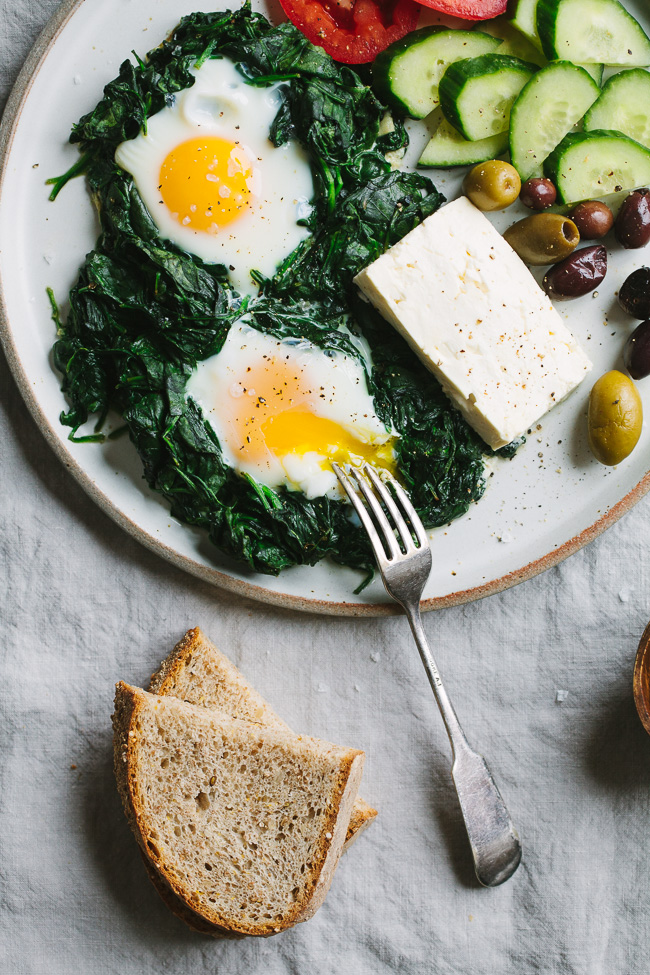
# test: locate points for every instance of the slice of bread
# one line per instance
(197, 672)
(243, 824)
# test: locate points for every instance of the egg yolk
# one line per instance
(205, 183)
(271, 411)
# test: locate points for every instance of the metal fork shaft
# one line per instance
(404, 571)
(495, 845)
(452, 724)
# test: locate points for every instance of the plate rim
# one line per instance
(241, 587)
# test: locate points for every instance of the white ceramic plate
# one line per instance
(551, 499)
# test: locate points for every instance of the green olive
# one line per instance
(615, 418)
(544, 238)
(492, 185)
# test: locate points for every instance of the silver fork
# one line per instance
(405, 563)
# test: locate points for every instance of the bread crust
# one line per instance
(129, 701)
(178, 906)
(169, 679)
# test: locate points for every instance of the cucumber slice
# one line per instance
(624, 105)
(513, 42)
(524, 17)
(447, 147)
(476, 95)
(407, 73)
(587, 165)
(594, 71)
(522, 40)
(588, 31)
(548, 107)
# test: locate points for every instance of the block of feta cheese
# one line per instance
(474, 314)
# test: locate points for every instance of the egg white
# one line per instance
(295, 377)
(221, 104)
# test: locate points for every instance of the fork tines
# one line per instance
(385, 497)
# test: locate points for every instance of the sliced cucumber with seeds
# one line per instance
(594, 71)
(407, 73)
(525, 43)
(447, 147)
(523, 14)
(548, 107)
(589, 31)
(513, 42)
(476, 95)
(624, 105)
(586, 165)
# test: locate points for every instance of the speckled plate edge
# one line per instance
(10, 121)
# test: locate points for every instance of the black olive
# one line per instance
(633, 220)
(593, 219)
(538, 193)
(578, 274)
(634, 296)
(636, 354)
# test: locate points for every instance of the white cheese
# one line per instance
(474, 314)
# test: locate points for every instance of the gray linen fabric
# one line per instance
(84, 605)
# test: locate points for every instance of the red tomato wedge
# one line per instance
(468, 9)
(353, 31)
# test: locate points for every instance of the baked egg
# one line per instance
(283, 409)
(213, 181)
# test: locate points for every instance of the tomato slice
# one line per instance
(353, 31)
(468, 9)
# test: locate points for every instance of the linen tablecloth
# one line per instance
(541, 676)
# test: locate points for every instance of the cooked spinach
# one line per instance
(143, 313)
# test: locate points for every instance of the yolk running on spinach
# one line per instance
(275, 411)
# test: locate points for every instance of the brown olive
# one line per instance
(634, 296)
(593, 219)
(633, 221)
(543, 238)
(538, 193)
(492, 185)
(615, 418)
(636, 354)
(578, 274)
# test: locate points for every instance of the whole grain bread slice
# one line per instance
(196, 671)
(243, 824)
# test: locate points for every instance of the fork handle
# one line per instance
(494, 841)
